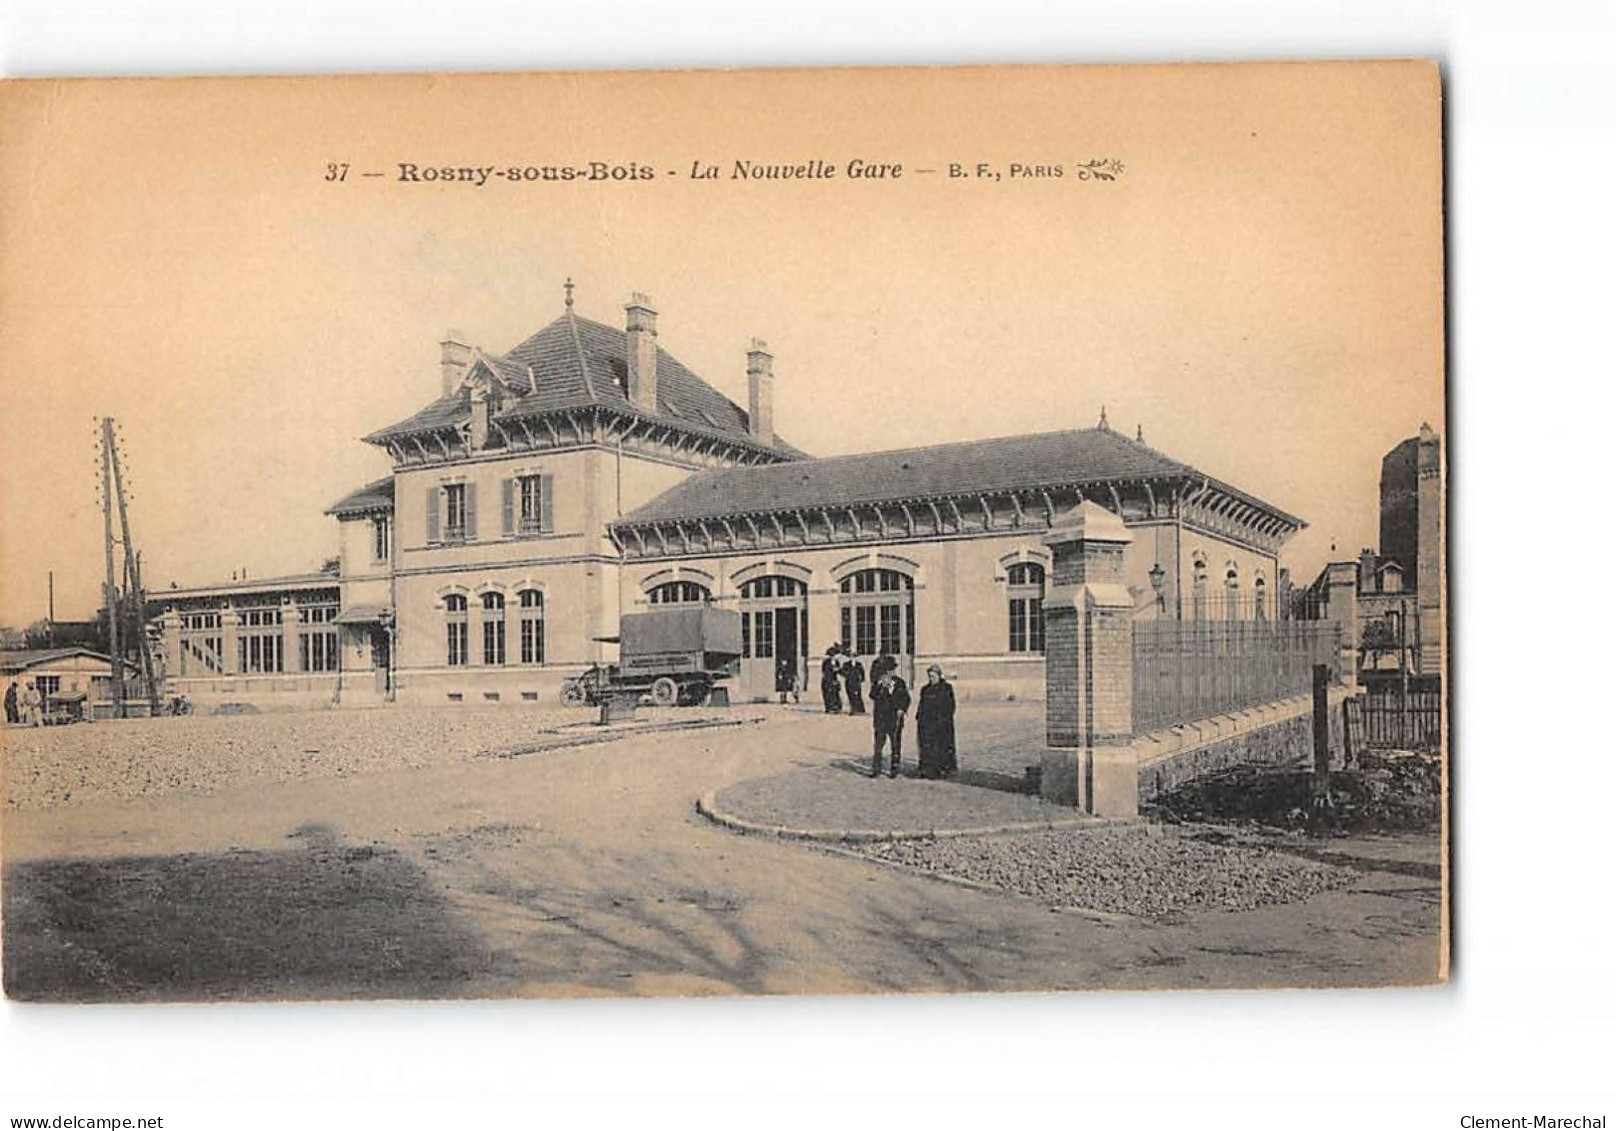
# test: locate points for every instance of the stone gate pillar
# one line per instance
(1089, 761)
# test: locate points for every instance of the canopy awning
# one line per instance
(365, 614)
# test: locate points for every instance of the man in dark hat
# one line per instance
(890, 698)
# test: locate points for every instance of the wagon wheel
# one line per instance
(665, 691)
(573, 696)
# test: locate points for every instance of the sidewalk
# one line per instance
(841, 803)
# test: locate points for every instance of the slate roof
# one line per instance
(579, 363)
(24, 659)
(1049, 459)
(375, 496)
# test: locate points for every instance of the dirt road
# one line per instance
(586, 871)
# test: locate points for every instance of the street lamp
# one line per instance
(388, 626)
(1158, 582)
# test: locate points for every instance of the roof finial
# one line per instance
(569, 292)
(1105, 425)
(1139, 433)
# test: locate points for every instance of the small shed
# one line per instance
(55, 671)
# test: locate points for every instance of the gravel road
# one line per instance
(1145, 871)
(74, 765)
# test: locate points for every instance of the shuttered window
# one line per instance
(526, 505)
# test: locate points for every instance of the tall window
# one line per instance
(1231, 594)
(201, 644)
(679, 593)
(530, 497)
(454, 512)
(759, 622)
(258, 647)
(878, 613)
(1026, 607)
(1259, 596)
(317, 637)
(1198, 589)
(494, 629)
(455, 610)
(381, 539)
(532, 626)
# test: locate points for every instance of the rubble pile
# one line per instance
(1147, 871)
(1386, 791)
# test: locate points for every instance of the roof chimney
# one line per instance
(1367, 560)
(642, 353)
(760, 385)
(455, 356)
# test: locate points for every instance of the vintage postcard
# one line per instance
(799, 532)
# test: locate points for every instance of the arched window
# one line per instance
(454, 606)
(772, 586)
(1259, 597)
(774, 618)
(1026, 607)
(1198, 588)
(878, 613)
(679, 593)
(531, 602)
(1231, 593)
(494, 629)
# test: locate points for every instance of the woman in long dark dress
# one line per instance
(785, 678)
(934, 724)
(829, 686)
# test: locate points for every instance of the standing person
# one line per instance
(853, 677)
(11, 702)
(785, 677)
(829, 688)
(890, 696)
(31, 702)
(934, 726)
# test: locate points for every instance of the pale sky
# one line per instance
(1261, 288)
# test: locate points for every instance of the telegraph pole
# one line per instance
(112, 577)
(131, 562)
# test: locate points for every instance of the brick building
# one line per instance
(1389, 602)
(586, 472)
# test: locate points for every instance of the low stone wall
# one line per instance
(1277, 734)
(293, 691)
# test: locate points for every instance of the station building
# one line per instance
(586, 472)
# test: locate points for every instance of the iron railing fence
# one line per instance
(1393, 714)
(1188, 670)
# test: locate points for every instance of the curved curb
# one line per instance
(707, 806)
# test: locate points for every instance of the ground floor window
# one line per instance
(48, 684)
(261, 653)
(532, 626)
(317, 643)
(493, 629)
(455, 609)
(1026, 607)
(260, 649)
(318, 650)
(201, 644)
(878, 613)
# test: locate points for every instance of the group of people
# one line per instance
(890, 702)
(26, 707)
